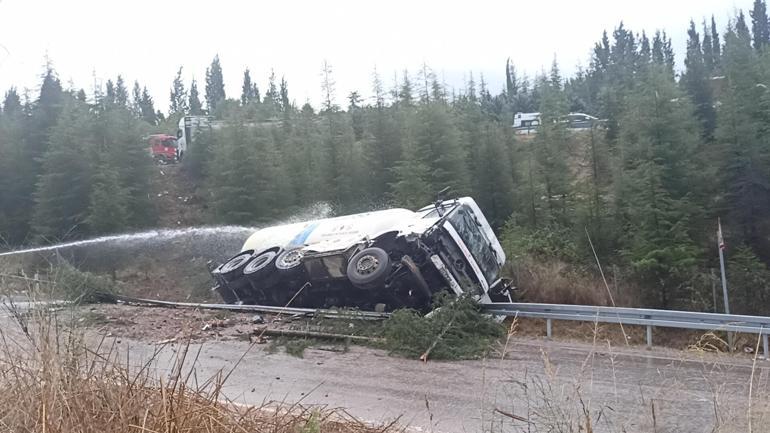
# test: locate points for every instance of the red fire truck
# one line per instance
(164, 148)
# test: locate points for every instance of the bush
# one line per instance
(456, 329)
(79, 286)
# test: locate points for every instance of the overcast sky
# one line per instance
(148, 40)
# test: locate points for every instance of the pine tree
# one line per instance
(17, 173)
(121, 92)
(215, 85)
(715, 44)
(11, 102)
(405, 92)
(438, 144)
(195, 106)
(741, 136)
(708, 52)
(108, 203)
(109, 94)
(495, 180)
(697, 83)
(64, 187)
(657, 195)
(411, 188)
(285, 105)
(248, 89)
(147, 106)
(551, 149)
(328, 87)
(178, 96)
(760, 27)
(136, 100)
(271, 95)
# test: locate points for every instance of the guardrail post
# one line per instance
(766, 346)
(649, 336)
(549, 328)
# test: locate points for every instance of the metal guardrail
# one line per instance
(638, 316)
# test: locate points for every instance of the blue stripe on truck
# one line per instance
(303, 235)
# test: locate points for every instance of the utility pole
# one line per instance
(721, 246)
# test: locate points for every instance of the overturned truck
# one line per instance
(380, 260)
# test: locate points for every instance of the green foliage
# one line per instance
(215, 85)
(457, 327)
(64, 188)
(79, 286)
(543, 243)
(749, 279)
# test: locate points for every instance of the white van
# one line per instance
(396, 258)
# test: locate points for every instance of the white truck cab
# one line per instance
(394, 257)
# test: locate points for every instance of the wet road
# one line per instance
(549, 383)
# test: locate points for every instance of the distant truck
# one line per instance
(383, 260)
(528, 123)
(164, 148)
(190, 126)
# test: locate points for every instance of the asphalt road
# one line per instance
(554, 385)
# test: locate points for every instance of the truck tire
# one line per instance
(368, 268)
(261, 270)
(222, 288)
(233, 268)
(289, 261)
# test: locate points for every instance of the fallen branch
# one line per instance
(313, 334)
(424, 356)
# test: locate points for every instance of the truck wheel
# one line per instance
(261, 269)
(233, 268)
(288, 261)
(368, 268)
(222, 288)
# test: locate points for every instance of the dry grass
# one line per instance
(53, 381)
(557, 282)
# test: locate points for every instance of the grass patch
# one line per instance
(296, 347)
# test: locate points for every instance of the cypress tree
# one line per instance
(178, 96)
(136, 100)
(248, 89)
(195, 106)
(215, 85)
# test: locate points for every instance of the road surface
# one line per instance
(539, 380)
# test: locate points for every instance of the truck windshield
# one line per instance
(169, 142)
(469, 228)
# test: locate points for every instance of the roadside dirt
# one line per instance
(175, 197)
(154, 324)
